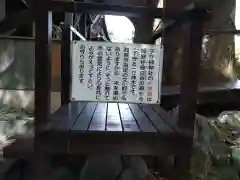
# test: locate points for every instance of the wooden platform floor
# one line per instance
(113, 128)
(111, 117)
(127, 129)
(220, 93)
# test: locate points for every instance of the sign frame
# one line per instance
(158, 73)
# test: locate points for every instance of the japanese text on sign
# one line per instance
(112, 72)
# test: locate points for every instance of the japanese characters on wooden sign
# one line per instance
(112, 72)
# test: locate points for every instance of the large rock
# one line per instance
(110, 167)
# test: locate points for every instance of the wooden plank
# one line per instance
(156, 119)
(144, 124)
(171, 121)
(113, 118)
(128, 121)
(222, 32)
(168, 119)
(98, 122)
(85, 143)
(222, 86)
(103, 8)
(19, 148)
(118, 142)
(84, 119)
(5, 167)
(60, 113)
(72, 112)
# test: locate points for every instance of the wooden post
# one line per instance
(82, 23)
(65, 63)
(2, 9)
(190, 70)
(189, 86)
(43, 41)
(68, 17)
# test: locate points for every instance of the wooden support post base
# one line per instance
(182, 167)
(42, 167)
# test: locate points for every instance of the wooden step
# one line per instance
(129, 129)
(90, 128)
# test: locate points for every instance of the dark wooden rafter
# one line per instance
(101, 8)
(17, 19)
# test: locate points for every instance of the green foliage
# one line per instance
(216, 153)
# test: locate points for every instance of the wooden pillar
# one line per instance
(43, 40)
(2, 9)
(65, 64)
(189, 86)
(68, 17)
(190, 70)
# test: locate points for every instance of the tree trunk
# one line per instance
(218, 65)
(144, 25)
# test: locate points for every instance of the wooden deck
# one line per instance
(121, 121)
(221, 94)
(224, 86)
(80, 127)
(130, 129)
(110, 117)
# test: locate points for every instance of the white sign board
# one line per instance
(112, 72)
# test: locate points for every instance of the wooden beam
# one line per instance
(2, 9)
(189, 86)
(16, 20)
(65, 63)
(102, 8)
(69, 17)
(43, 41)
(190, 71)
(5, 167)
(221, 32)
